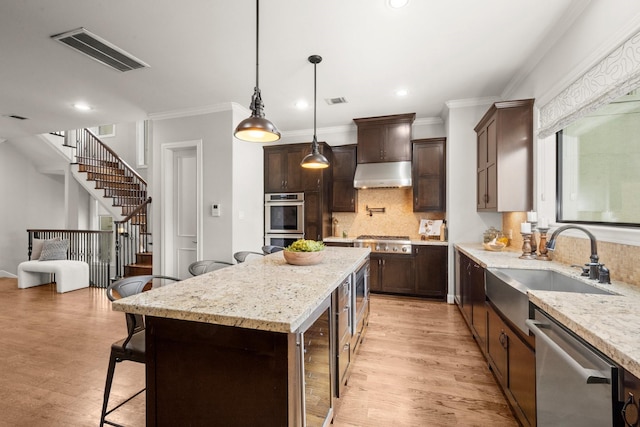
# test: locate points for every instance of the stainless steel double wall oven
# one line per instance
(283, 218)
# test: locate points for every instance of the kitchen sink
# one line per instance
(507, 289)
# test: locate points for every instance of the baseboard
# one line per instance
(7, 274)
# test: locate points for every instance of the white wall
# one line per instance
(232, 177)
(29, 200)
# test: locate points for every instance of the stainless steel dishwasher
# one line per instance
(575, 384)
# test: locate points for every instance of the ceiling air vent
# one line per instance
(14, 116)
(332, 101)
(100, 50)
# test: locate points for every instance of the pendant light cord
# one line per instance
(257, 38)
(315, 105)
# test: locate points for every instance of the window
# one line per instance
(598, 166)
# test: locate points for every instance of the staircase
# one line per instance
(123, 192)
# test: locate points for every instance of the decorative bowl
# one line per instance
(494, 246)
(303, 258)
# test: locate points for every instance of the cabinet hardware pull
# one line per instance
(624, 413)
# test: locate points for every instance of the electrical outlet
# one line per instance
(510, 234)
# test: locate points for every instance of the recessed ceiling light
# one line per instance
(397, 4)
(82, 106)
(402, 92)
(302, 104)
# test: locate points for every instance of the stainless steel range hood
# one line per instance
(382, 175)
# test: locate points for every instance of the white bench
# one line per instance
(70, 275)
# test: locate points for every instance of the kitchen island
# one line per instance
(250, 344)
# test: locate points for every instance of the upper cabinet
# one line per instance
(343, 194)
(283, 173)
(429, 177)
(385, 138)
(505, 157)
(282, 170)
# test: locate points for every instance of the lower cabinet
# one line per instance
(431, 270)
(513, 362)
(392, 273)
(509, 352)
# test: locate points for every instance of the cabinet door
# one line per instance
(478, 298)
(465, 290)
(522, 376)
(396, 146)
(492, 165)
(429, 177)
(344, 162)
(293, 179)
(482, 169)
(397, 274)
(375, 268)
(275, 170)
(497, 345)
(312, 215)
(370, 144)
(343, 195)
(431, 270)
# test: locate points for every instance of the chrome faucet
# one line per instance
(595, 270)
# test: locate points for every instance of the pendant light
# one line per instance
(257, 128)
(314, 160)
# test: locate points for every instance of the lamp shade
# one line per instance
(257, 129)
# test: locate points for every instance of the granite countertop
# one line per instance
(413, 241)
(262, 293)
(608, 322)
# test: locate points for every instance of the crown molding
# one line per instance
(195, 111)
(471, 102)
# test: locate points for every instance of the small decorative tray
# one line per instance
(494, 246)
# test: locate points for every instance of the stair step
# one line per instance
(126, 192)
(101, 169)
(137, 270)
(92, 161)
(144, 258)
(100, 184)
(96, 176)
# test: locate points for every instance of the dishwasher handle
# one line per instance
(591, 376)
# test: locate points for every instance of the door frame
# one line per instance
(167, 155)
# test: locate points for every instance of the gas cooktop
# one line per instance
(384, 244)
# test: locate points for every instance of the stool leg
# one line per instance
(107, 386)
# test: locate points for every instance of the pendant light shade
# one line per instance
(314, 160)
(257, 128)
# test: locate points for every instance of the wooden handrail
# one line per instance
(136, 211)
(114, 154)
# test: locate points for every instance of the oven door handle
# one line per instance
(591, 376)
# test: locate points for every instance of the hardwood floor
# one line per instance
(418, 365)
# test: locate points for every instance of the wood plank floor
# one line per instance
(418, 365)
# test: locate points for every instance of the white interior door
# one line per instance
(181, 201)
(185, 211)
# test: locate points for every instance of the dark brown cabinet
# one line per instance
(505, 157)
(512, 359)
(283, 173)
(392, 274)
(384, 138)
(429, 175)
(282, 170)
(343, 194)
(431, 270)
(470, 296)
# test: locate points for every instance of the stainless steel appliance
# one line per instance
(575, 384)
(360, 295)
(283, 240)
(283, 218)
(384, 244)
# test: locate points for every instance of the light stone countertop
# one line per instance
(349, 240)
(608, 322)
(262, 293)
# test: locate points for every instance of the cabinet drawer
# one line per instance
(344, 358)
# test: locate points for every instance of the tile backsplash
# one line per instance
(397, 220)
(621, 260)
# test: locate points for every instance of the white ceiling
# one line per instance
(202, 53)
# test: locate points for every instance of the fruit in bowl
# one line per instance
(304, 252)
